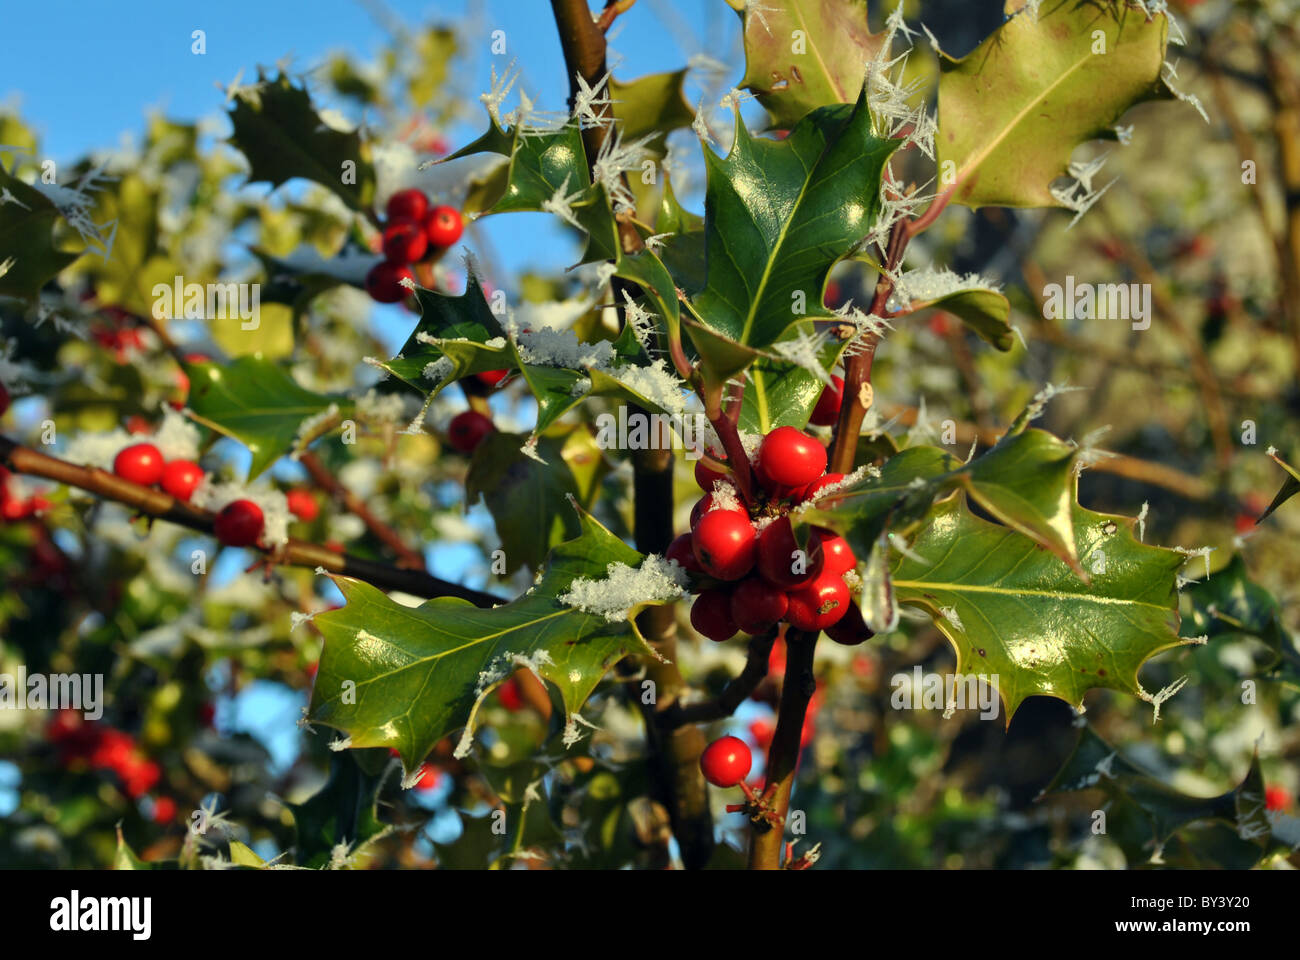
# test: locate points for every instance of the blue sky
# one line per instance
(85, 73)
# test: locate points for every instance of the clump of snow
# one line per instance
(928, 284)
(438, 370)
(176, 439)
(376, 407)
(656, 581)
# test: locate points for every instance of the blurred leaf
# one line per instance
(652, 105)
(27, 238)
(985, 312)
(341, 812)
(272, 339)
(1290, 487)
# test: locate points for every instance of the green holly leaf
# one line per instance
(781, 394)
(405, 677)
(257, 403)
(1013, 110)
(125, 858)
(652, 105)
(278, 129)
(539, 164)
(28, 257)
(986, 313)
(342, 811)
(778, 216)
(1095, 764)
(1230, 603)
(1026, 481)
(804, 54)
(1019, 614)
(529, 500)
(1290, 486)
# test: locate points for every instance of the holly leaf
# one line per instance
(653, 105)
(804, 54)
(780, 394)
(1013, 110)
(278, 129)
(1290, 486)
(257, 403)
(404, 677)
(1230, 603)
(778, 216)
(539, 164)
(1095, 764)
(529, 500)
(985, 312)
(28, 257)
(1016, 613)
(342, 811)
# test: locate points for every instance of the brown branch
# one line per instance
(321, 476)
(735, 693)
(163, 506)
(797, 690)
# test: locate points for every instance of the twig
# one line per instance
(321, 476)
(611, 12)
(735, 693)
(163, 506)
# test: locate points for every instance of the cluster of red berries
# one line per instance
(413, 232)
(238, 524)
(88, 744)
(18, 508)
(759, 574)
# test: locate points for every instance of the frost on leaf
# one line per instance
(656, 580)
(804, 351)
(927, 285)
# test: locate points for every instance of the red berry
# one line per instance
(409, 204)
(1277, 797)
(852, 629)
(821, 604)
(780, 557)
(757, 606)
(138, 424)
(383, 282)
(164, 810)
(509, 694)
(490, 378)
(706, 476)
(239, 523)
(791, 458)
(810, 492)
(302, 504)
(711, 615)
(827, 411)
(429, 779)
(467, 430)
(706, 504)
(762, 731)
(181, 478)
(725, 544)
(140, 463)
(726, 761)
(682, 549)
(444, 226)
(838, 555)
(4, 399)
(404, 241)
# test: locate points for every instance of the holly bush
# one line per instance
(869, 410)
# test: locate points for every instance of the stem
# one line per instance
(737, 459)
(163, 506)
(406, 557)
(735, 693)
(783, 757)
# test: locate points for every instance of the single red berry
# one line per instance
(838, 555)
(811, 491)
(302, 504)
(707, 504)
(4, 399)
(467, 430)
(757, 606)
(820, 604)
(706, 476)
(444, 226)
(781, 561)
(852, 629)
(682, 549)
(725, 544)
(138, 424)
(383, 282)
(791, 458)
(409, 204)
(762, 731)
(429, 779)
(139, 776)
(490, 378)
(404, 241)
(181, 478)
(1277, 797)
(64, 725)
(164, 810)
(140, 463)
(509, 694)
(726, 761)
(827, 411)
(711, 615)
(239, 524)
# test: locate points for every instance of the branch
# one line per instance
(406, 557)
(736, 692)
(163, 506)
